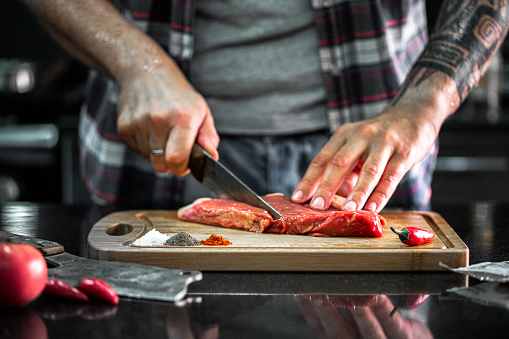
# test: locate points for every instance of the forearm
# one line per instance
(466, 37)
(96, 33)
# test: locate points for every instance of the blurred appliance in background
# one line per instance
(17, 76)
(41, 91)
(28, 160)
(39, 107)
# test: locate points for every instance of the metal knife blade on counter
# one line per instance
(222, 182)
(127, 279)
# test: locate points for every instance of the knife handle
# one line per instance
(46, 247)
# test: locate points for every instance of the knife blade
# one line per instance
(127, 279)
(213, 175)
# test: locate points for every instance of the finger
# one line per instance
(208, 137)
(158, 160)
(178, 149)
(131, 141)
(393, 326)
(350, 181)
(135, 131)
(337, 201)
(126, 132)
(332, 322)
(158, 137)
(390, 179)
(324, 319)
(158, 134)
(311, 179)
(369, 177)
(367, 323)
(309, 312)
(348, 184)
(339, 166)
(143, 144)
(396, 326)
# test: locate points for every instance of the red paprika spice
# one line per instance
(413, 236)
(216, 240)
(58, 288)
(98, 289)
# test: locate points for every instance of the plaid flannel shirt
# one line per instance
(366, 48)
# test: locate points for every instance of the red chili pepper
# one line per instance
(98, 289)
(58, 288)
(413, 236)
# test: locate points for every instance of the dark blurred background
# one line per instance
(41, 90)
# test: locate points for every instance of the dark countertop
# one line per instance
(271, 304)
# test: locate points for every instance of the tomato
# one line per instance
(23, 274)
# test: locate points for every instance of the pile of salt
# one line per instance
(152, 238)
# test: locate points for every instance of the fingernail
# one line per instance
(297, 196)
(350, 206)
(371, 207)
(318, 203)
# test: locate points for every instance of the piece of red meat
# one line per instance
(226, 213)
(296, 218)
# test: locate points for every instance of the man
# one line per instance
(383, 95)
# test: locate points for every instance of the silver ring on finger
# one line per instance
(157, 152)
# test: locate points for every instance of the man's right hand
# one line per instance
(159, 109)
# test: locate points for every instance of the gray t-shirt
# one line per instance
(257, 65)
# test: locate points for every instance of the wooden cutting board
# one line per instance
(111, 238)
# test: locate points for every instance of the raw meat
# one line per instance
(226, 213)
(296, 218)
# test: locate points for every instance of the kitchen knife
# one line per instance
(222, 182)
(127, 279)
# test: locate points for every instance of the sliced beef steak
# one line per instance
(227, 213)
(296, 218)
(302, 219)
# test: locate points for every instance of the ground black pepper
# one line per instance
(182, 239)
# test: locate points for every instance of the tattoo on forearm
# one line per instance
(467, 35)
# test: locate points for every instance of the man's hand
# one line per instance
(386, 147)
(159, 109)
(365, 161)
(372, 320)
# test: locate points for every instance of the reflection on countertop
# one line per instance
(273, 304)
